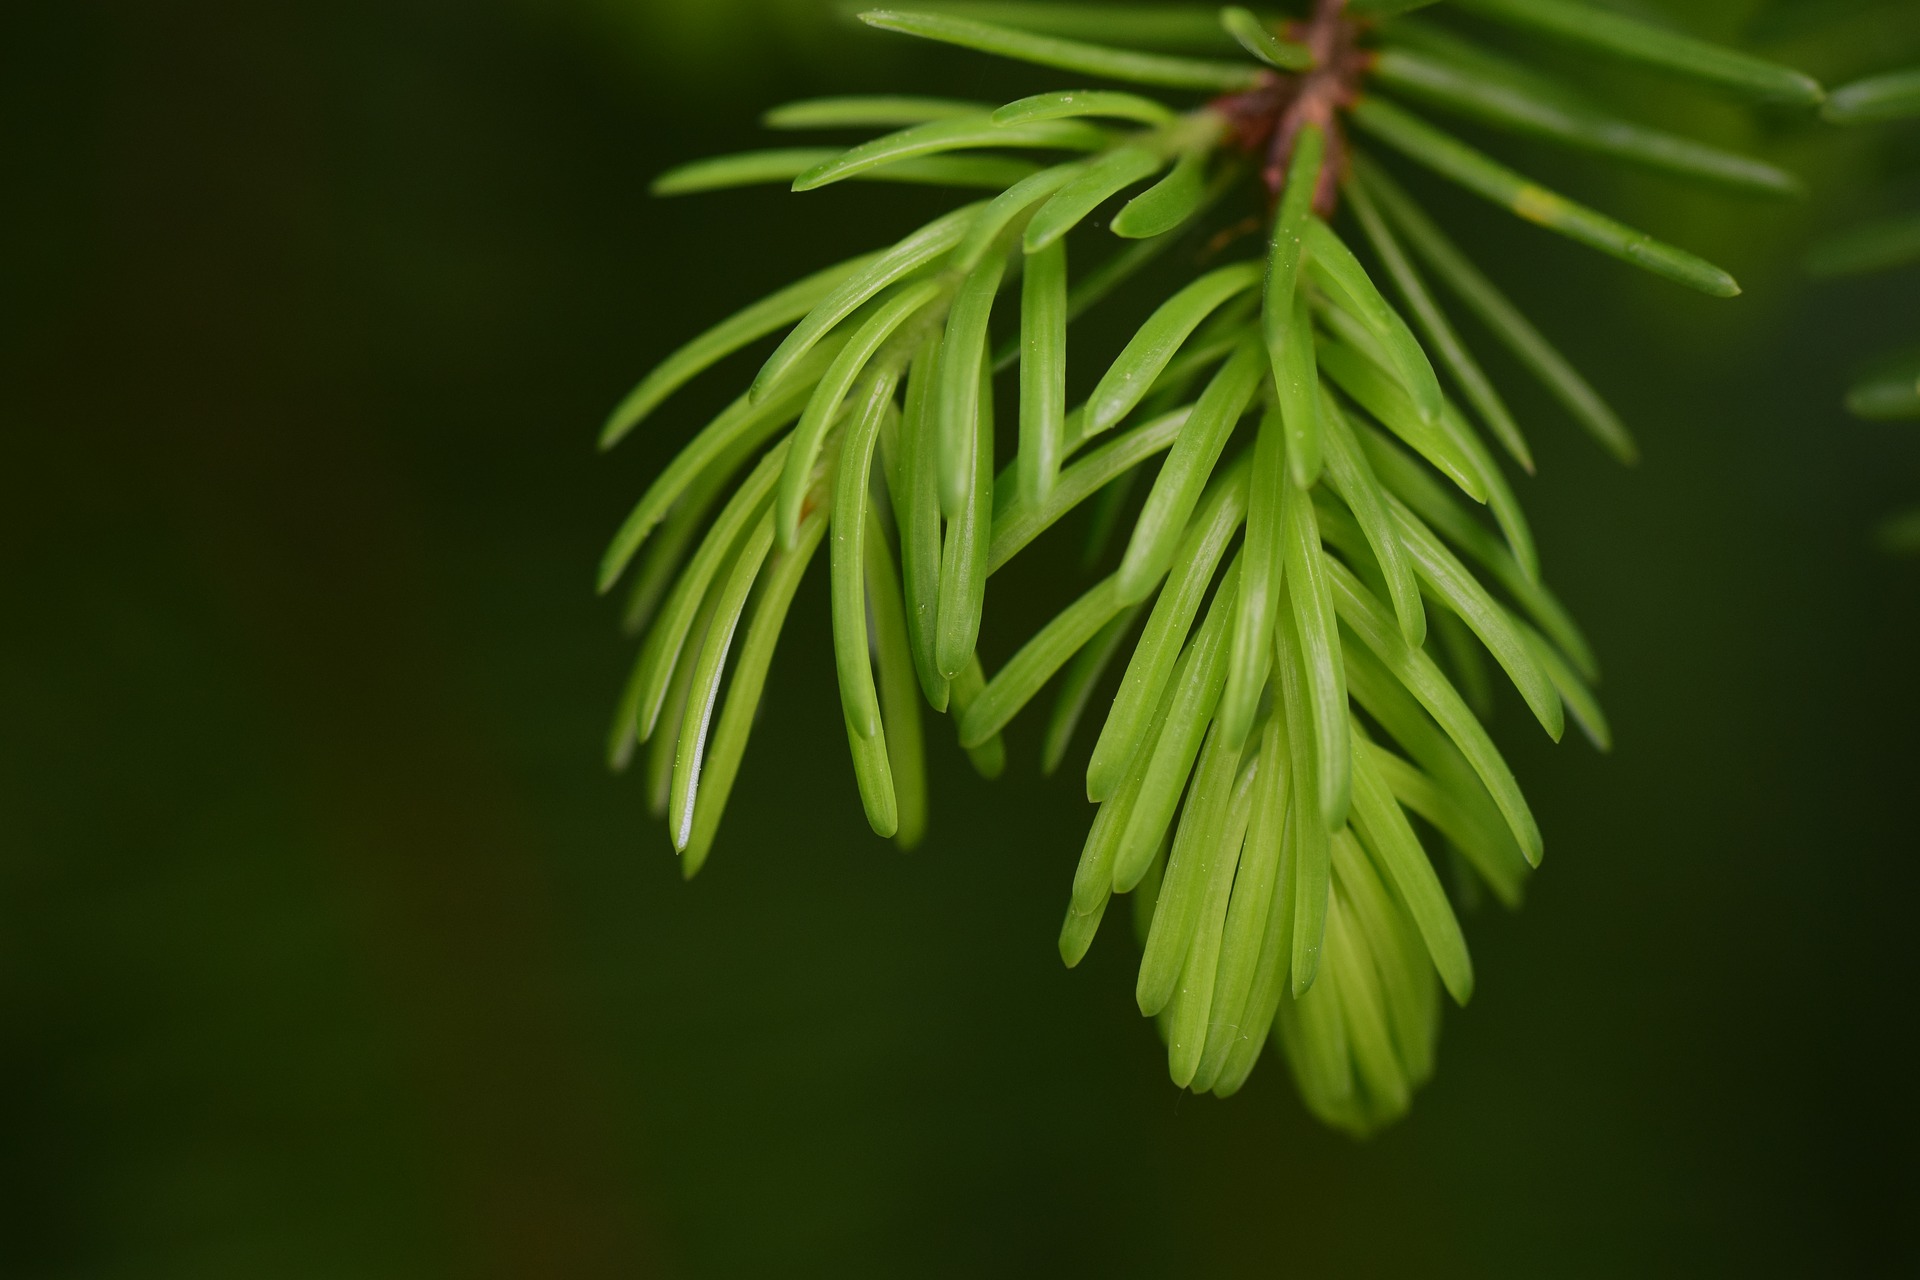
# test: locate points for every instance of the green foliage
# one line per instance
(1289, 736)
(1895, 96)
(1890, 388)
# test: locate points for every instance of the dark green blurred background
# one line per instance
(328, 947)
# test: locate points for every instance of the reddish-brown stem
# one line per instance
(1269, 118)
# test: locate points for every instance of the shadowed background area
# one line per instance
(328, 947)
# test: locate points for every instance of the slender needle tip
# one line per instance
(620, 425)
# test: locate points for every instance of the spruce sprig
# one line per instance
(1890, 389)
(1310, 579)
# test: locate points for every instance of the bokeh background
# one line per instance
(329, 948)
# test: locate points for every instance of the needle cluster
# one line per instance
(1890, 388)
(1322, 571)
